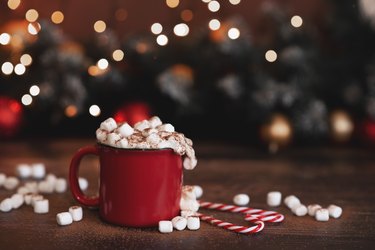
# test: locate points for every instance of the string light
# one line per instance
(187, 15)
(26, 99)
(19, 69)
(100, 26)
(4, 38)
(31, 15)
(234, 2)
(57, 17)
(162, 40)
(156, 28)
(26, 59)
(233, 33)
(102, 64)
(271, 55)
(121, 15)
(94, 110)
(172, 3)
(33, 28)
(13, 4)
(7, 68)
(214, 24)
(296, 21)
(71, 111)
(181, 29)
(118, 55)
(34, 90)
(213, 6)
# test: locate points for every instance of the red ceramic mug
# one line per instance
(138, 188)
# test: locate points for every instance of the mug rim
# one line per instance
(134, 149)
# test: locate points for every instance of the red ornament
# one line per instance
(132, 113)
(369, 130)
(10, 116)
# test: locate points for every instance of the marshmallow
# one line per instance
(187, 213)
(17, 200)
(108, 125)
(2, 179)
(35, 198)
(27, 197)
(123, 143)
(38, 170)
(83, 183)
(112, 138)
(299, 210)
(312, 209)
(190, 163)
(23, 190)
(334, 211)
(61, 185)
(64, 218)
(193, 223)
(274, 199)
(191, 205)
(167, 127)
(125, 130)
(322, 214)
(6, 205)
(198, 191)
(153, 139)
(142, 125)
(76, 213)
(51, 178)
(179, 223)
(101, 135)
(11, 183)
(149, 131)
(164, 144)
(32, 186)
(41, 206)
(165, 226)
(45, 187)
(291, 201)
(24, 171)
(155, 122)
(241, 199)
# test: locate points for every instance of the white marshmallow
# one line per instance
(17, 200)
(153, 139)
(108, 125)
(167, 127)
(38, 170)
(76, 212)
(101, 135)
(179, 223)
(142, 125)
(41, 206)
(24, 170)
(193, 223)
(191, 205)
(61, 185)
(11, 183)
(23, 190)
(198, 191)
(35, 198)
(274, 199)
(64, 218)
(187, 213)
(149, 131)
(32, 186)
(45, 187)
(188, 193)
(241, 199)
(334, 211)
(164, 144)
(83, 183)
(123, 143)
(155, 122)
(2, 179)
(112, 138)
(165, 226)
(299, 210)
(125, 130)
(27, 197)
(311, 209)
(291, 201)
(190, 163)
(322, 214)
(6, 205)
(51, 178)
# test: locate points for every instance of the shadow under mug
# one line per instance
(138, 188)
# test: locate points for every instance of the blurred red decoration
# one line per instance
(132, 113)
(369, 130)
(10, 116)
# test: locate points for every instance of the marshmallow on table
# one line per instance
(6, 205)
(291, 201)
(334, 211)
(179, 223)
(274, 199)
(17, 200)
(32, 186)
(101, 135)
(41, 206)
(193, 223)
(125, 130)
(11, 183)
(24, 170)
(165, 226)
(45, 187)
(155, 122)
(108, 125)
(312, 209)
(187, 213)
(38, 170)
(299, 210)
(51, 178)
(198, 191)
(322, 214)
(83, 183)
(64, 218)
(241, 199)
(27, 197)
(76, 213)
(60, 185)
(2, 179)
(35, 198)
(23, 190)
(191, 205)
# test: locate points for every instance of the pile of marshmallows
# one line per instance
(147, 134)
(189, 207)
(35, 183)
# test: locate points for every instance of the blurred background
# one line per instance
(267, 73)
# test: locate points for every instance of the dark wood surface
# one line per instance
(345, 177)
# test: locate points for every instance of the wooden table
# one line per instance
(345, 177)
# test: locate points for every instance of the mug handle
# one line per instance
(73, 176)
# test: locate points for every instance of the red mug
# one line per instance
(138, 188)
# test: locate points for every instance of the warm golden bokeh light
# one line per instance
(187, 15)
(7, 68)
(172, 3)
(57, 17)
(271, 55)
(100, 26)
(156, 28)
(26, 99)
(296, 21)
(31, 15)
(94, 110)
(13, 4)
(26, 59)
(118, 55)
(71, 111)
